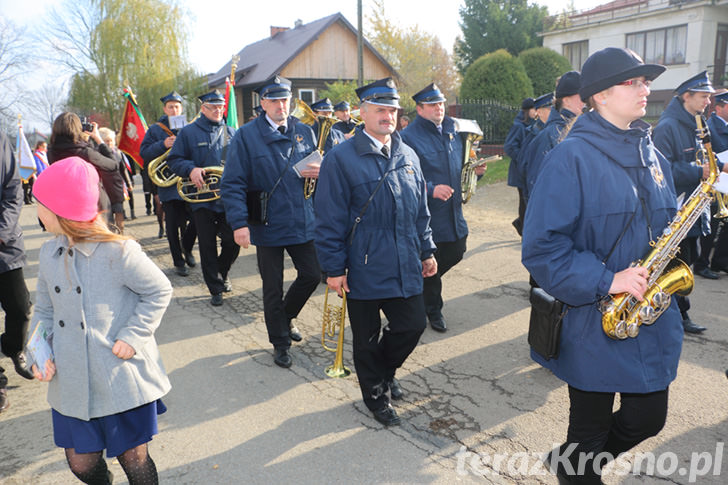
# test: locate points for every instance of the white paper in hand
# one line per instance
(39, 347)
(314, 158)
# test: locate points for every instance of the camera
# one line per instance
(86, 125)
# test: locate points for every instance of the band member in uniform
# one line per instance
(433, 137)
(605, 171)
(717, 240)
(323, 107)
(204, 143)
(181, 231)
(675, 138)
(262, 156)
(567, 107)
(374, 242)
(512, 147)
(542, 105)
(345, 125)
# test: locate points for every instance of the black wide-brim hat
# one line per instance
(608, 67)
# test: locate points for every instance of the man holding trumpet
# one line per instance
(374, 242)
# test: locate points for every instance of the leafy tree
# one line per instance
(543, 67)
(497, 76)
(341, 91)
(417, 56)
(489, 25)
(107, 43)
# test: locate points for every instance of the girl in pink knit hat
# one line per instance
(99, 299)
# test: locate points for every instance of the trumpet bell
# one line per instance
(209, 192)
(334, 319)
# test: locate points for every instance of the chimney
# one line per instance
(298, 23)
(276, 30)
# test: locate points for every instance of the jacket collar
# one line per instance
(62, 245)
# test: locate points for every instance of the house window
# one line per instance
(306, 95)
(576, 53)
(662, 46)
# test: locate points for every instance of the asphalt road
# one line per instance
(476, 409)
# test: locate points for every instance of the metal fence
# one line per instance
(495, 118)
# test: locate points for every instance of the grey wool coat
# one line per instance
(90, 295)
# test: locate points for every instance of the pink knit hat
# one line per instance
(70, 189)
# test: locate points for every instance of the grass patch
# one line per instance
(497, 172)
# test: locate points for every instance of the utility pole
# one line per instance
(360, 43)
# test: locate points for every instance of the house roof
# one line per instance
(608, 7)
(263, 59)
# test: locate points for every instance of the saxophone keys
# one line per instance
(633, 329)
(620, 330)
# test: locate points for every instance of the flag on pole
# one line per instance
(24, 154)
(133, 128)
(231, 109)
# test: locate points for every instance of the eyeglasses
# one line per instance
(636, 83)
(213, 107)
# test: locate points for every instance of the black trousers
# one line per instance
(594, 428)
(689, 254)
(447, 254)
(15, 302)
(211, 224)
(278, 309)
(181, 229)
(378, 352)
(716, 241)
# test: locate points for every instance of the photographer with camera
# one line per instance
(72, 137)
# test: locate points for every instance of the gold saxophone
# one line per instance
(471, 133)
(622, 314)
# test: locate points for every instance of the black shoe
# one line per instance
(706, 273)
(387, 416)
(189, 259)
(216, 300)
(228, 285)
(282, 357)
(294, 333)
(438, 324)
(22, 367)
(395, 389)
(182, 270)
(691, 327)
(4, 403)
(149, 211)
(717, 269)
(161, 233)
(518, 225)
(133, 217)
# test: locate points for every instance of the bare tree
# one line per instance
(48, 102)
(14, 62)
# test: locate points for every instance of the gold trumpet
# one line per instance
(471, 134)
(160, 173)
(305, 114)
(334, 318)
(210, 191)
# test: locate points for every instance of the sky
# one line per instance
(220, 32)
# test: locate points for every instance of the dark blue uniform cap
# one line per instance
(173, 96)
(544, 100)
(343, 106)
(322, 105)
(527, 103)
(568, 84)
(722, 97)
(276, 87)
(382, 92)
(213, 97)
(430, 94)
(610, 66)
(258, 110)
(696, 84)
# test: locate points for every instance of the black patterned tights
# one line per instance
(91, 468)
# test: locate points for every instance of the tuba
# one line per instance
(334, 319)
(210, 191)
(471, 134)
(622, 314)
(160, 173)
(306, 115)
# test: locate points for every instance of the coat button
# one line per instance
(58, 290)
(78, 289)
(70, 252)
(60, 323)
(82, 326)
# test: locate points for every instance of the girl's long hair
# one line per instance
(89, 231)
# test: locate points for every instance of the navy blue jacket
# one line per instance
(152, 147)
(512, 147)
(718, 134)
(200, 144)
(258, 156)
(522, 162)
(542, 143)
(382, 259)
(441, 160)
(585, 197)
(675, 138)
(12, 249)
(345, 127)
